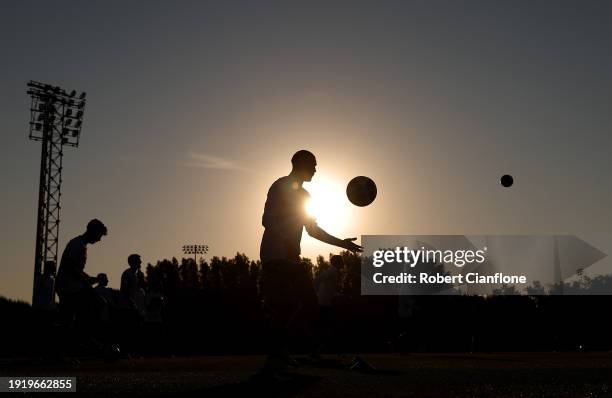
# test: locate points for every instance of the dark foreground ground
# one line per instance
(414, 375)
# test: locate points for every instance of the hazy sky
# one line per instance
(195, 108)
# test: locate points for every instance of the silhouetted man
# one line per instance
(45, 297)
(106, 293)
(287, 288)
(102, 283)
(130, 286)
(73, 285)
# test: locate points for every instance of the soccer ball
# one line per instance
(361, 191)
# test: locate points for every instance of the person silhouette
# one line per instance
(45, 297)
(73, 285)
(102, 286)
(106, 293)
(287, 289)
(131, 285)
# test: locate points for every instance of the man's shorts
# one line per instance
(287, 287)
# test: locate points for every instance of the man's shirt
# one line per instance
(284, 219)
(129, 284)
(70, 273)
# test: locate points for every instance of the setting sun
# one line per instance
(328, 203)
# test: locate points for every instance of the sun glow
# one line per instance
(328, 203)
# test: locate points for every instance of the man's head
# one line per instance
(95, 231)
(134, 261)
(304, 165)
(102, 280)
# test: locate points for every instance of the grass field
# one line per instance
(414, 375)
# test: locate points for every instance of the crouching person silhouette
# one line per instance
(288, 292)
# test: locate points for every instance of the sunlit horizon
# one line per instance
(195, 110)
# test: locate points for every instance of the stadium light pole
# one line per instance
(195, 250)
(56, 117)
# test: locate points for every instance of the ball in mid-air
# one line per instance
(507, 180)
(361, 191)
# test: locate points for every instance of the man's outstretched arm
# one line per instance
(319, 233)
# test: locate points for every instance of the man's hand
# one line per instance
(349, 245)
(318, 233)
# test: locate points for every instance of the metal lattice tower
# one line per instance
(55, 119)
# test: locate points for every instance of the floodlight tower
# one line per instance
(195, 250)
(56, 118)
